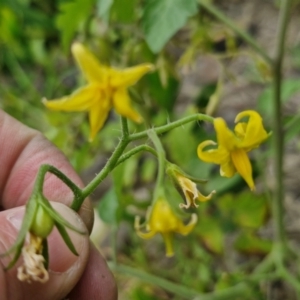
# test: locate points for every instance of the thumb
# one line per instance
(65, 269)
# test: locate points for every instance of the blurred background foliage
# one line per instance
(35, 62)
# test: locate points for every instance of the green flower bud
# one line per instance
(42, 223)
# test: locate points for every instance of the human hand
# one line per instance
(86, 276)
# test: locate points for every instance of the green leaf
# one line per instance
(211, 234)
(250, 210)
(162, 19)
(265, 100)
(123, 11)
(245, 209)
(292, 127)
(71, 16)
(164, 96)
(249, 243)
(103, 8)
(108, 207)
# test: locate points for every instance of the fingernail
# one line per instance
(15, 217)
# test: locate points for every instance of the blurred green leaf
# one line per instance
(250, 210)
(162, 18)
(265, 100)
(211, 234)
(108, 207)
(103, 8)
(123, 11)
(245, 209)
(292, 127)
(177, 141)
(148, 170)
(165, 97)
(249, 243)
(71, 16)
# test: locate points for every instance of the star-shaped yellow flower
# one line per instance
(163, 220)
(106, 88)
(231, 153)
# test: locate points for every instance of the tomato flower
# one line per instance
(163, 220)
(106, 88)
(190, 192)
(231, 153)
(187, 186)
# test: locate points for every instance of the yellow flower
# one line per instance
(106, 88)
(231, 153)
(163, 220)
(190, 191)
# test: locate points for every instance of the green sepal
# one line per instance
(172, 169)
(26, 223)
(45, 253)
(64, 234)
(14, 260)
(57, 217)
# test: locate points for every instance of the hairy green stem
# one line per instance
(172, 125)
(134, 151)
(161, 163)
(278, 136)
(51, 169)
(243, 34)
(111, 163)
(39, 183)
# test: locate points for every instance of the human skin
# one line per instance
(22, 151)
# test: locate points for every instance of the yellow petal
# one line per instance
(226, 138)
(122, 105)
(217, 156)
(243, 166)
(129, 76)
(143, 235)
(186, 229)
(90, 66)
(190, 191)
(203, 198)
(98, 115)
(168, 243)
(162, 217)
(227, 169)
(240, 130)
(81, 100)
(255, 133)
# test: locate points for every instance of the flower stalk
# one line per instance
(278, 138)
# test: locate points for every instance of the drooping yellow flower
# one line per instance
(231, 153)
(187, 186)
(191, 193)
(106, 88)
(163, 220)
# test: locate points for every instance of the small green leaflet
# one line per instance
(162, 19)
(103, 8)
(71, 16)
